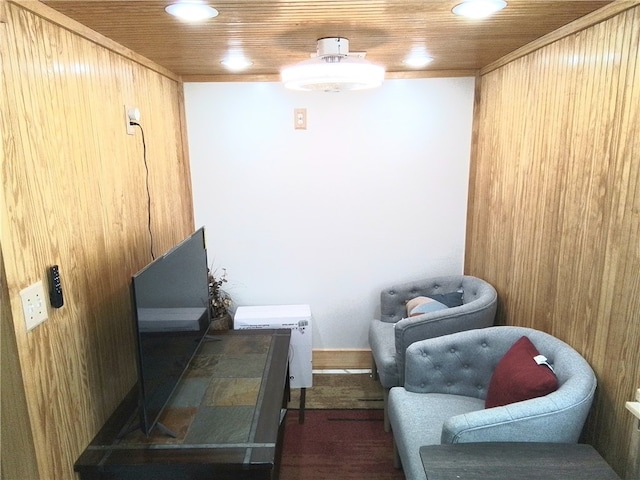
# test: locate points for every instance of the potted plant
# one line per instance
(219, 301)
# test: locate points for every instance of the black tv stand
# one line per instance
(229, 435)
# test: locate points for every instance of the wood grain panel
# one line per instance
(341, 359)
(14, 415)
(276, 33)
(74, 194)
(554, 212)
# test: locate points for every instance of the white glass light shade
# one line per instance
(478, 8)
(191, 11)
(338, 74)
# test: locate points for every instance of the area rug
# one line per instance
(341, 391)
(338, 444)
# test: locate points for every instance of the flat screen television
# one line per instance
(171, 312)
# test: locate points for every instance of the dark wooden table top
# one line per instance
(524, 461)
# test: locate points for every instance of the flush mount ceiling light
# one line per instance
(479, 8)
(333, 69)
(191, 11)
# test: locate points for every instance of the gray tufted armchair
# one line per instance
(390, 336)
(445, 387)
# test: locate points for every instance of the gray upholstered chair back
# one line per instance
(393, 300)
(478, 310)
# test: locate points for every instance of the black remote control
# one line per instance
(55, 287)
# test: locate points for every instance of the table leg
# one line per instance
(303, 398)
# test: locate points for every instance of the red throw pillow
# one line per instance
(518, 376)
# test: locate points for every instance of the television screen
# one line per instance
(170, 304)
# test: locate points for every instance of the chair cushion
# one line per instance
(417, 419)
(436, 301)
(451, 299)
(419, 305)
(519, 377)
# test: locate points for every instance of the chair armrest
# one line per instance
(536, 420)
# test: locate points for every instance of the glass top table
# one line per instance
(226, 413)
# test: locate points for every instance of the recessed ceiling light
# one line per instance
(418, 61)
(236, 62)
(479, 8)
(417, 57)
(191, 11)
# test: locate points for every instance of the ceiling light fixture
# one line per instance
(417, 62)
(236, 62)
(333, 69)
(417, 57)
(191, 11)
(478, 8)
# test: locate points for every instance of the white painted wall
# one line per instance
(373, 193)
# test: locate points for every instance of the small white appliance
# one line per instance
(297, 318)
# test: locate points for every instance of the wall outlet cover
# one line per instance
(127, 120)
(300, 118)
(34, 305)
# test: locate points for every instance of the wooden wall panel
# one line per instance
(74, 194)
(14, 415)
(554, 210)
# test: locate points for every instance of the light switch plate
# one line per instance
(34, 305)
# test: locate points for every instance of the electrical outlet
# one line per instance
(127, 122)
(300, 118)
(131, 114)
(34, 305)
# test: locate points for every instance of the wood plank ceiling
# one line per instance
(276, 33)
